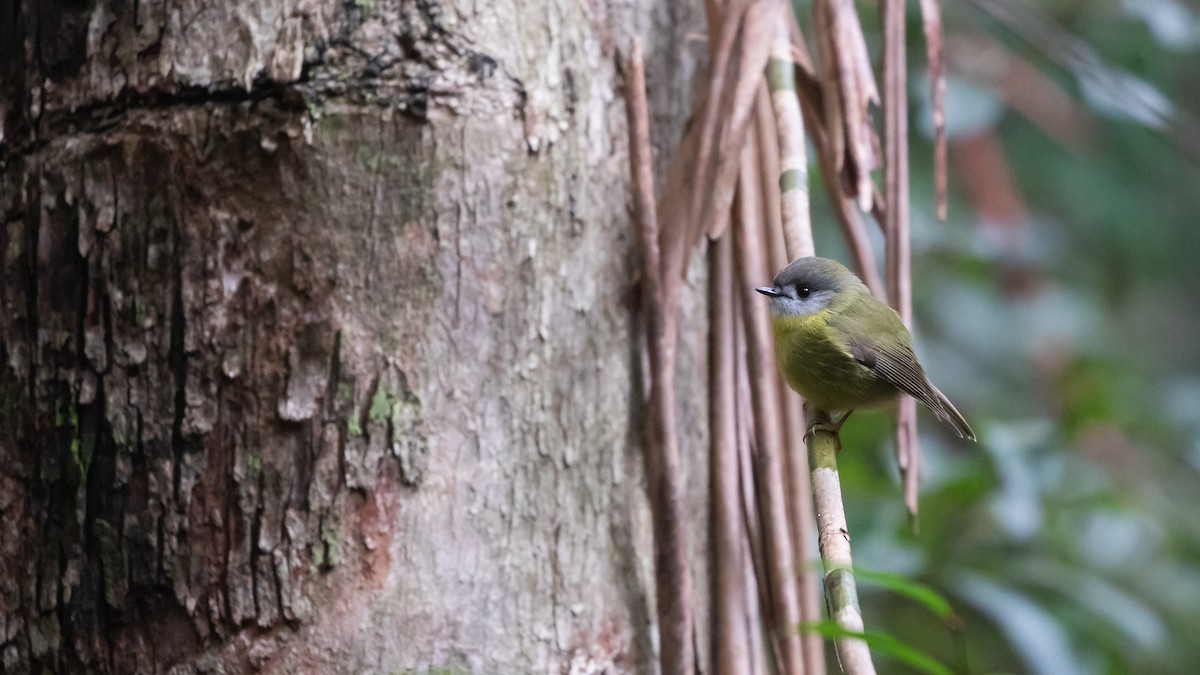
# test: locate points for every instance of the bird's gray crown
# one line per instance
(816, 273)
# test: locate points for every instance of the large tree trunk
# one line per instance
(318, 349)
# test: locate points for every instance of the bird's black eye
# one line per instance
(803, 292)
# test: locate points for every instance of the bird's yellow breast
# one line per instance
(817, 363)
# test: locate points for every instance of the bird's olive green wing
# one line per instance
(874, 334)
(895, 364)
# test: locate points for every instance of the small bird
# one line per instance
(842, 349)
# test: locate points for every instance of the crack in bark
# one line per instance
(177, 361)
(422, 67)
(32, 236)
(107, 114)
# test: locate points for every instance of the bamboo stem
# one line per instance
(793, 155)
(833, 538)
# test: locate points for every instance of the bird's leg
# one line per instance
(831, 427)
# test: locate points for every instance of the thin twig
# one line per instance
(724, 31)
(756, 568)
(855, 85)
(758, 22)
(833, 538)
(766, 138)
(831, 102)
(895, 160)
(733, 627)
(672, 579)
(803, 522)
(931, 21)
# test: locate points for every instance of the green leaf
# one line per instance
(916, 591)
(913, 590)
(881, 643)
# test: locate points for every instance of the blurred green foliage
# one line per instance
(1067, 541)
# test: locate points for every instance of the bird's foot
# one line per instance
(830, 427)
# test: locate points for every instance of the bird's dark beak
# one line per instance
(769, 291)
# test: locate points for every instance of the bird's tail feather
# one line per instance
(946, 412)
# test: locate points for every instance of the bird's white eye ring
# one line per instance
(803, 292)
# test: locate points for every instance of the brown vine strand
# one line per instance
(673, 586)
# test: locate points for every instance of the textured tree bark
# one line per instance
(317, 351)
